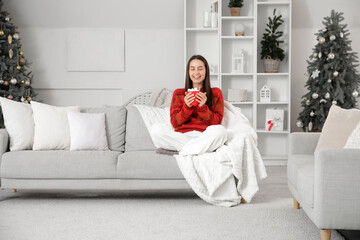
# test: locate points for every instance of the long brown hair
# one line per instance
(206, 82)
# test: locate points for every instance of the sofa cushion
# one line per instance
(295, 162)
(115, 118)
(337, 128)
(59, 164)
(137, 136)
(147, 165)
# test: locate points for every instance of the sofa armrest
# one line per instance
(336, 188)
(303, 143)
(4, 141)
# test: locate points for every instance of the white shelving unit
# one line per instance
(218, 44)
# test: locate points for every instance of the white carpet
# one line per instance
(149, 217)
(81, 216)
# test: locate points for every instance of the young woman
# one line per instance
(197, 128)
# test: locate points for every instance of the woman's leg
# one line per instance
(165, 137)
(212, 138)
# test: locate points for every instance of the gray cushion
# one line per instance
(147, 165)
(137, 136)
(293, 165)
(59, 164)
(115, 118)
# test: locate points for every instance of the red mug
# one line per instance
(195, 102)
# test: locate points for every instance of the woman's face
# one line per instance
(197, 72)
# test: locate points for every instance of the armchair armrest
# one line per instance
(303, 143)
(336, 188)
(4, 141)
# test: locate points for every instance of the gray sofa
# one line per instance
(131, 164)
(326, 184)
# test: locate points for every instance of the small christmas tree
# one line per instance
(333, 78)
(15, 78)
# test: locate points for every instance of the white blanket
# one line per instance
(211, 174)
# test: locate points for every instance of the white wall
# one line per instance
(153, 45)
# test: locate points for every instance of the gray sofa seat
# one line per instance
(59, 164)
(147, 165)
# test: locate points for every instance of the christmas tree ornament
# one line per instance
(307, 102)
(2, 33)
(7, 19)
(315, 95)
(332, 37)
(336, 73)
(324, 30)
(341, 34)
(323, 101)
(9, 39)
(22, 99)
(320, 54)
(22, 81)
(21, 53)
(310, 126)
(22, 61)
(18, 67)
(10, 97)
(1, 81)
(6, 83)
(29, 99)
(299, 124)
(314, 54)
(355, 93)
(329, 80)
(321, 40)
(13, 81)
(327, 95)
(11, 53)
(334, 102)
(16, 36)
(315, 74)
(331, 55)
(312, 114)
(27, 82)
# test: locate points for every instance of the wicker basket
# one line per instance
(271, 65)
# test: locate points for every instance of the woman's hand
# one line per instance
(189, 98)
(201, 98)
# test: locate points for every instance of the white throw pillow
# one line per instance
(87, 131)
(19, 123)
(354, 139)
(51, 126)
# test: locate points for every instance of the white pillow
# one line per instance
(87, 131)
(19, 123)
(354, 139)
(51, 126)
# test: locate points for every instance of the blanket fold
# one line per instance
(211, 175)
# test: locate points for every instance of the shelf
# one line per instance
(272, 74)
(271, 132)
(238, 37)
(237, 74)
(238, 18)
(241, 103)
(280, 157)
(201, 29)
(272, 3)
(272, 103)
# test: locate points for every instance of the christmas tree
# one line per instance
(15, 78)
(333, 78)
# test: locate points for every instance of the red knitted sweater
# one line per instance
(185, 119)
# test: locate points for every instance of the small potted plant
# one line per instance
(235, 6)
(271, 53)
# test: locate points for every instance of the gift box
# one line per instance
(237, 95)
(274, 119)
